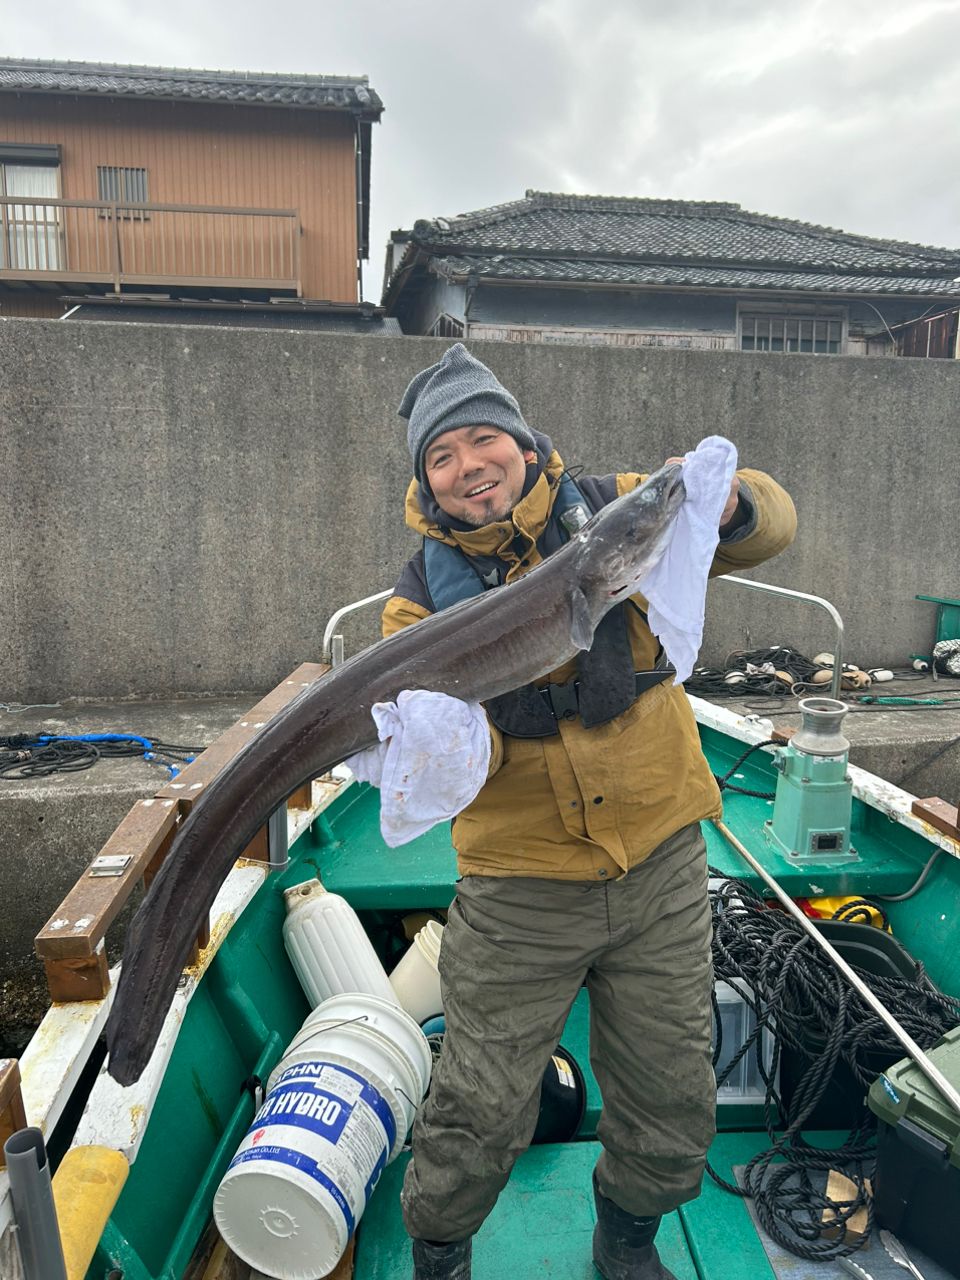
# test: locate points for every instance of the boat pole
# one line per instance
(929, 1069)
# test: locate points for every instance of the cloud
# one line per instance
(834, 113)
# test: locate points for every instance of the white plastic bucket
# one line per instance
(337, 1110)
(416, 979)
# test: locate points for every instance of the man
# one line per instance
(581, 858)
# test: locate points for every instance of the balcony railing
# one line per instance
(108, 243)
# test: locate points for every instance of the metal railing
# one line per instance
(108, 242)
(768, 589)
(332, 648)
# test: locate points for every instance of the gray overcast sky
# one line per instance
(840, 112)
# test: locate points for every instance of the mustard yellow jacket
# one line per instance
(589, 804)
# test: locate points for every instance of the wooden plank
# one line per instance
(939, 814)
(80, 922)
(12, 1115)
(783, 734)
(302, 798)
(71, 978)
(191, 781)
(223, 1264)
(842, 1189)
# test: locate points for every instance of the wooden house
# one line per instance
(618, 271)
(158, 186)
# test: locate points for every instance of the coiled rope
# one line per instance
(40, 755)
(802, 1000)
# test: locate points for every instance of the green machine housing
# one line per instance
(811, 813)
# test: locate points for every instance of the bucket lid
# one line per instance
(290, 1235)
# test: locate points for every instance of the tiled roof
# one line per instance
(255, 88)
(580, 271)
(673, 242)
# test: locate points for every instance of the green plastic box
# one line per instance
(917, 1182)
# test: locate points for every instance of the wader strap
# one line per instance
(531, 712)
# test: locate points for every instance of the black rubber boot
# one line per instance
(442, 1261)
(623, 1247)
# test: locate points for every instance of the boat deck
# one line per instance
(542, 1225)
(248, 1008)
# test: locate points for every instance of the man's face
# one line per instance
(476, 473)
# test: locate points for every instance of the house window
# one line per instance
(446, 327)
(126, 187)
(29, 230)
(770, 331)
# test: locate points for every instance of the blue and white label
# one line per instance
(890, 1090)
(311, 1107)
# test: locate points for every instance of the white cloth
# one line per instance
(431, 761)
(676, 586)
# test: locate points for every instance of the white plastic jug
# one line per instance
(328, 947)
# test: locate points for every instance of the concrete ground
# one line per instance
(51, 827)
(915, 747)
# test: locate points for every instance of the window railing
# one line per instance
(120, 243)
(769, 331)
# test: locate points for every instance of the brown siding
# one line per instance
(26, 302)
(270, 158)
(937, 337)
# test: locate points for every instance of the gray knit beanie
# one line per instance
(458, 391)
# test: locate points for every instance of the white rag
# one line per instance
(430, 763)
(676, 587)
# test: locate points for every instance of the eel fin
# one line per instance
(581, 624)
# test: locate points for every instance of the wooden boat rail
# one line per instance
(12, 1115)
(71, 943)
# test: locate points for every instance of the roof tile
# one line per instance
(348, 93)
(622, 240)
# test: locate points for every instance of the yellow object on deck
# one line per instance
(86, 1187)
(827, 907)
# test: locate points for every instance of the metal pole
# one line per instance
(277, 847)
(329, 638)
(929, 1069)
(769, 589)
(33, 1209)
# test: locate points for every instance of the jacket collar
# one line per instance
(529, 517)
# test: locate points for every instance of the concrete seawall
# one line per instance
(186, 506)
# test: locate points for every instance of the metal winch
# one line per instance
(811, 813)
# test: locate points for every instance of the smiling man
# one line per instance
(581, 858)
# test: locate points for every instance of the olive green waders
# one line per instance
(515, 953)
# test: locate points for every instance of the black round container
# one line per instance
(563, 1099)
(563, 1090)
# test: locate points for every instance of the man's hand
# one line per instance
(733, 501)
(430, 763)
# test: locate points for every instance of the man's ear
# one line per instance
(529, 455)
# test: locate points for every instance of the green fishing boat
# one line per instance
(156, 1152)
